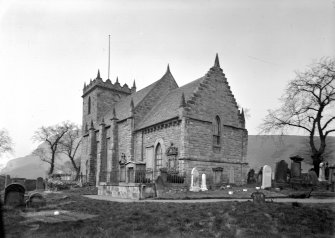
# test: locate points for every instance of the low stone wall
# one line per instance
(120, 191)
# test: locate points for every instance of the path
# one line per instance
(309, 200)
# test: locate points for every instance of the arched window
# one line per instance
(89, 106)
(158, 156)
(216, 131)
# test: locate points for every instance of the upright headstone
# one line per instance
(332, 178)
(35, 200)
(195, 180)
(281, 172)
(313, 178)
(203, 183)
(14, 195)
(258, 197)
(296, 166)
(251, 177)
(39, 184)
(231, 175)
(266, 180)
(260, 176)
(322, 172)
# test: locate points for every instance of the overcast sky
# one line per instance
(48, 49)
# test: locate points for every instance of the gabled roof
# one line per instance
(167, 107)
(122, 108)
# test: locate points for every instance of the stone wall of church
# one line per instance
(201, 146)
(214, 98)
(124, 138)
(165, 135)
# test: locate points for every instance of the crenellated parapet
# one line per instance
(98, 82)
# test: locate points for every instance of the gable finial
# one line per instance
(182, 101)
(98, 76)
(217, 62)
(168, 69)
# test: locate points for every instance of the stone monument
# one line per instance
(203, 183)
(322, 172)
(195, 180)
(296, 166)
(266, 179)
(281, 172)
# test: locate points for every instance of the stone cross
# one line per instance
(195, 180)
(203, 183)
(266, 179)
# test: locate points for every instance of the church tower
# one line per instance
(99, 98)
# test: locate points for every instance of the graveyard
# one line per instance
(249, 210)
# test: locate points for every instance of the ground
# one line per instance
(148, 219)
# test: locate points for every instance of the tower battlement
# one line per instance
(98, 82)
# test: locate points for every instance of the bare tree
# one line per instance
(6, 144)
(308, 105)
(52, 135)
(69, 145)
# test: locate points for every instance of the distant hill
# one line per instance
(261, 150)
(271, 149)
(31, 166)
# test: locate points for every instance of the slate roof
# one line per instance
(122, 108)
(167, 107)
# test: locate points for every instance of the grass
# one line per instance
(222, 219)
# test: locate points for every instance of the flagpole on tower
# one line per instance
(109, 53)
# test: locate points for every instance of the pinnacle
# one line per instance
(134, 85)
(131, 103)
(114, 113)
(117, 80)
(182, 101)
(216, 62)
(92, 126)
(98, 76)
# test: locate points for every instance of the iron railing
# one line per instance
(140, 176)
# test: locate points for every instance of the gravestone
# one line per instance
(35, 200)
(251, 177)
(313, 178)
(14, 195)
(203, 183)
(281, 172)
(195, 180)
(258, 197)
(260, 176)
(322, 176)
(231, 175)
(266, 179)
(296, 166)
(39, 184)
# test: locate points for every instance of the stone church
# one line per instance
(163, 129)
